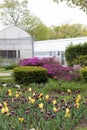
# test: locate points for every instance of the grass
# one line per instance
(52, 85)
(81, 128)
(3, 70)
(5, 74)
(55, 86)
(5, 77)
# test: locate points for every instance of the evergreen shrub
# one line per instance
(74, 53)
(10, 67)
(83, 72)
(30, 74)
(81, 60)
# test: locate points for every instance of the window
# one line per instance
(3, 53)
(11, 54)
(8, 53)
(18, 53)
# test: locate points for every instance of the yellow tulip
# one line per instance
(54, 102)
(17, 95)
(77, 105)
(67, 110)
(21, 119)
(47, 96)
(67, 114)
(79, 97)
(41, 105)
(30, 89)
(69, 91)
(4, 110)
(55, 109)
(5, 103)
(10, 94)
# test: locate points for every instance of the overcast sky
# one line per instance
(52, 13)
(56, 14)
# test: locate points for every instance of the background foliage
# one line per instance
(72, 53)
(17, 12)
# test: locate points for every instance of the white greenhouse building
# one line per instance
(50, 48)
(15, 44)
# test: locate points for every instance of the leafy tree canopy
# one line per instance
(16, 12)
(13, 11)
(68, 31)
(82, 4)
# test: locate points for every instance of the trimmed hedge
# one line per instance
(30, 74)
(72, 53)
(83, 72)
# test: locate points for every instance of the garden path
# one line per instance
(5, 74)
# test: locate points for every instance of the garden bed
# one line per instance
(31, 105)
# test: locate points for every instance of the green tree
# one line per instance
(82, 4)
(13, 11)
(68, 31)
(34, 26)
(40, 32)
(16, 12)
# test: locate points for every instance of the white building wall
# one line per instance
(24, 45)
(25, 54)
(47, 47)
(14, 38)
(26, 48)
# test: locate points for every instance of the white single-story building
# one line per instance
(50, 48)
(15, 44)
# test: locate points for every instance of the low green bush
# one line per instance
(30, 74)
(10, 67)
(82, 60)
(83, 72)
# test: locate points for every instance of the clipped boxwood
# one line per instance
(30, 74)
(83, 72)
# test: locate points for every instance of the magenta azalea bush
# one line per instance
(30, 62)
(54, 68)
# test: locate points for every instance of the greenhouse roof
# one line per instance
(13, 32)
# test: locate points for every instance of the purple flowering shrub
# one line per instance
(30, 62)
(38, 62)
(65, 73)
(54, 68)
